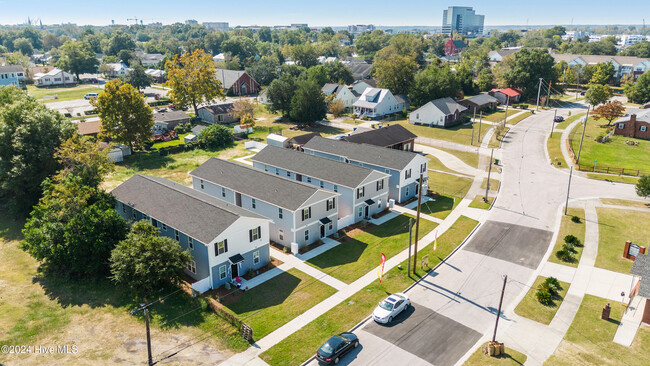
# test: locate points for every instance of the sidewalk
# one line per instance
(449, 160)
(630, 322)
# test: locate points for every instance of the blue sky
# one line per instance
(318, 13)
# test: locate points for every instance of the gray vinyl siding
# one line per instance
(199, 252)
(245, 266)
(288, 223)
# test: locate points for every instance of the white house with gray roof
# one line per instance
(225, 241)
(403, 167)
(342, 93)
(300, 213)
(441, 112)
(364, 191)
(375, 102)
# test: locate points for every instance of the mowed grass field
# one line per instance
(62, 94)
(615, 226)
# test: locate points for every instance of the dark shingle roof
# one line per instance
(11, 68)
(192, 212)
(168, 116)
(641, 268)
(228, 77)
(447, 105)
(303, 139)
(197, 129)
(220, 108)
(365, 153)
(482, 99)
(384, 137)
(329, 88)
(339, 173)
(276, 190)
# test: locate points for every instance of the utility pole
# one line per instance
(507, 105)
(566, 205)
(473, 118)
(494, 336)
(479, 128)
(584, 128)
(548, 97)
(417, 225)
(539, 90)
(578, 85)
(410, 237)
(487, 188)
(144, 307)
(553, 124)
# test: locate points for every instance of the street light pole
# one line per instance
(566, 205)
(488, 181)
(479, 128)
(410, 237)
(417, 225)
(503, 290)
(539, 91)
(553, 124)
(584, 128)
(507, 105)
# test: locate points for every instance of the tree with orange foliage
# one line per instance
(609, 111)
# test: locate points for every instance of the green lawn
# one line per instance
(355, 257)
(449, 185)
(436, 164)
(564, 124)
(615, 227)
(496, 116)
(495, 141)
(478, 202)
(63, 94)
(275, 302)
(509, 358)
(39, 307)
(614, 153)
(441, 207)
(519, 118)
(467, 157)
(302, 344)
(613, 178)
(172, 166)
(494, 184)
(589, 339)
(555, 150)
(614, 201)
(461, 134)
(532, 309)
(325, 131)
(179, 141)
(569, 227)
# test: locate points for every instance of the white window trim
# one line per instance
(224, 274)
(256, 257)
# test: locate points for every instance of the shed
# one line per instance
(277, 140)
(188, 138)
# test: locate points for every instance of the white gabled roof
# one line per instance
(371, 97)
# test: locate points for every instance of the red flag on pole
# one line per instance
(381, 267)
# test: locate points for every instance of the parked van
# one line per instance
(90, 95)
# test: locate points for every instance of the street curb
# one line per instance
(362, 322)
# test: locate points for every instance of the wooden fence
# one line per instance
(602, 168)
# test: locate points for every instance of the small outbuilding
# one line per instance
(277, 140)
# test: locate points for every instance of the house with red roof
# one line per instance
(507, 95)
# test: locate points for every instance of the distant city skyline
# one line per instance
(332, 13)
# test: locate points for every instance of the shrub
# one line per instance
(569, 247)
(575, 219)
(215, 137)
(564, 255)
(553, 285)
(544, 297)
(600, 138)
(183, 128)
(571, 239)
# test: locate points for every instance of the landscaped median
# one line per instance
(570, 227)
(614, 178)
(519, 118)
(479, 202)
(277, 301)
(530, 307)
(303, 343)
(361, 251)
(555, 150)
(509, 357)
(589, 340)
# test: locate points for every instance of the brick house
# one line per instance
(237, 82)
(453, 47)
(636, 124)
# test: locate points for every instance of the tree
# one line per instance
(137, 77)
(126, 117)
(368, 44)
(337, 73)
(528, 66)
(146, 262)
(280, 93)
(243, 107)
(602, 74)
(30, 133)
(304, 55)
(212, 41)
(73, 228)
(119, 41)
(598, 94)
(242, 47)
(193, 80)
(215, 137)
(77, 58)
(24, 46)
(265, 70)
(639, 92)
(394, 72)
(641, 49)
(432, 83)
(84, 159)
(609, 111)
(485, 81)
(643, 186)
(308, 103)
(317, 75)
(337, 107)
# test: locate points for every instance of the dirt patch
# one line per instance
(272, 264)
(311, 246)
(354, 230)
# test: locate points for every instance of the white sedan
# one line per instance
(390, 308)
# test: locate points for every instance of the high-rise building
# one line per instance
(361, 28)
(463, 20)
(191, 22)
(222, 26)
